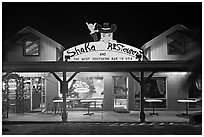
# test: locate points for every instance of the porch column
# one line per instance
(64, 91)
(142, 114)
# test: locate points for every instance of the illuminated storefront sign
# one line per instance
(33, 74)
(81, 90)
(31, 48)
(12, 84)
(81, 87)
(100, 51)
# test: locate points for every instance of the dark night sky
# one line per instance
(137, 23)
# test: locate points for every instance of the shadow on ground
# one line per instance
(87, 128)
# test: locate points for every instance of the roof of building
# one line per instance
(39, 34)
(31, 31)
(165, 34)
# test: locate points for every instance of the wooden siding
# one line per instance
(159, 51)
(47, 53)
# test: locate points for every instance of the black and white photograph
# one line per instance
(101, 68)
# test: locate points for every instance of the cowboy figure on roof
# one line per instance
(106, 32)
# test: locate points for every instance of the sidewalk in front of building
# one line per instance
(99, 116)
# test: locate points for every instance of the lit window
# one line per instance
(120, 92)
(86, 88)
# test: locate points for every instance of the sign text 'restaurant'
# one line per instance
(97, 50)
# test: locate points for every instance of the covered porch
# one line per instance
(76, 67)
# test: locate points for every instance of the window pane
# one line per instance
(195, 93)
(85, 88)
(155, 88)
(120, 92)
(176, 47)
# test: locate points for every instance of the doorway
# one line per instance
(38, 93)
(120, 92)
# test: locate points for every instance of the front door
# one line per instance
(36, 93)
(120, 92)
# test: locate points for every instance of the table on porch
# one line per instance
(187, 101)
(59, 102)
(153, 101)
(88, 103)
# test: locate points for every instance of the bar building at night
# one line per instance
(109, 89)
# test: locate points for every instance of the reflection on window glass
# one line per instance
(120, 92)
(154, 88)
(176, 47)
(36, 82)
(120, 86)
(195, 93)
(86, 88)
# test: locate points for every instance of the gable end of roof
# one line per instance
(164, 34)
(30, 29)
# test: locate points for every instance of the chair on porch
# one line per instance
(50, 105)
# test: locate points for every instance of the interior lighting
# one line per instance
(81, 90)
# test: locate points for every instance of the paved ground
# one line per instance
(101, 123)
(102, 128)
(100, 116)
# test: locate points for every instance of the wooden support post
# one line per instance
(150, 76)
(55, 75)
(64, 91)
(72, 76)
(142, 114)
(142, 82)
(135, 78)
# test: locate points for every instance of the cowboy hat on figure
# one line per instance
(106, 32)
